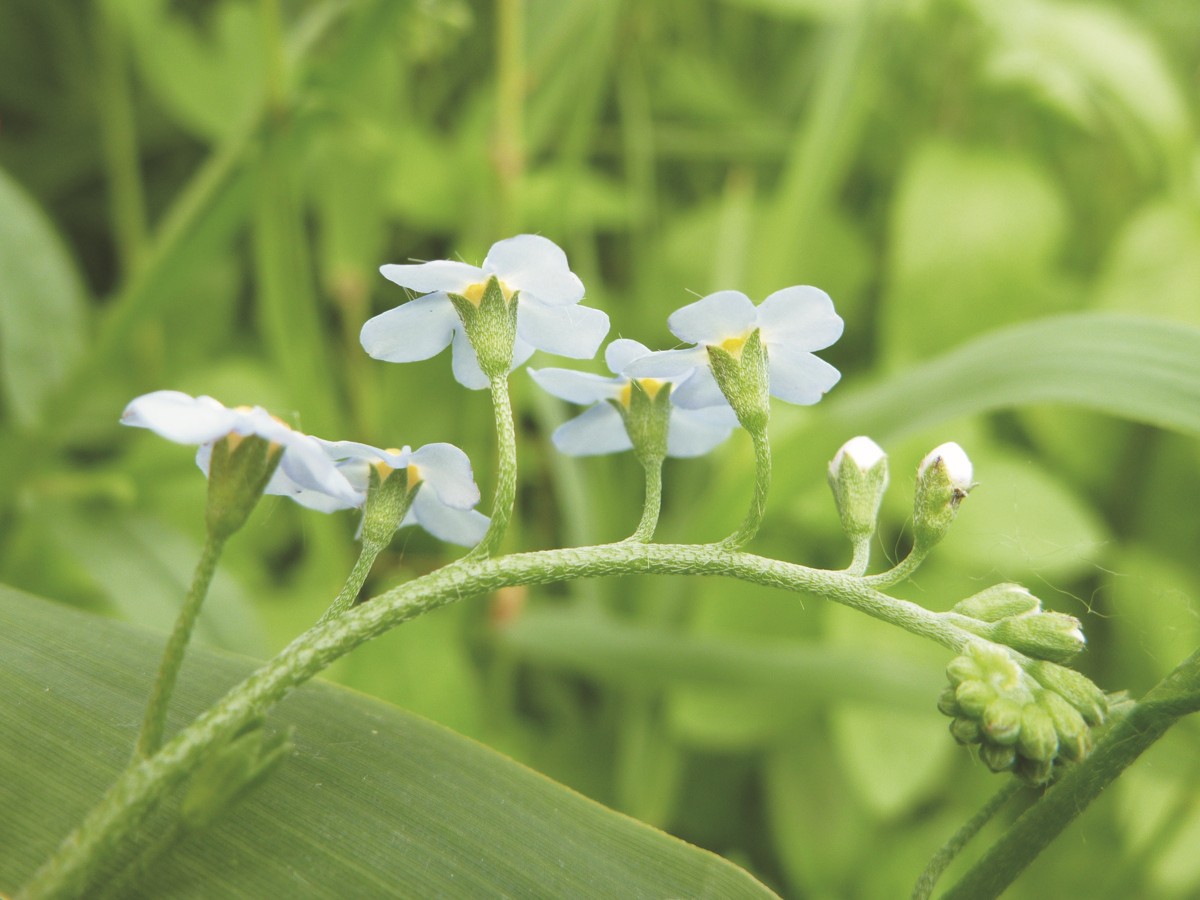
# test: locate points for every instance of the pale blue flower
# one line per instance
(444, 506)
(304, 469)
(601, 429)
(549, 316)
(792, 323)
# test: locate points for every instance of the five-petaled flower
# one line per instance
(444, 504)
(601, 429)
(304, 468)
(530, 267)
(791, 323)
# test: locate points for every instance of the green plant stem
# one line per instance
(354, 581)
(137, 791)
(1172, 698)
(762, 485)
(506, 475)
(653, 502)
(150, 737)
(860, 558)
(898, 572)
(951, 849)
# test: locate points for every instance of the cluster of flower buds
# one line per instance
(1024, 720)
(1009, 614)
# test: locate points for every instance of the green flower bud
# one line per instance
(998, 602)
(1075, 688)
(973, 697)
(1001, 721)
(943, 481)
(1048, 635)
(1039, 738)
(858, 476)
(997, 757)
(1074, 736)
(490, 323)
(1035, 772)
(963, 668)
(238, 472)
(966, 731)
(947, 703)
(742, 376)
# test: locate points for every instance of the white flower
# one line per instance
(861, 450)
(792, 323)
(444, 506)
(601, 429)
(549, 316)
(304, 469)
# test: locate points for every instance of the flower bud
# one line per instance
(1036, 772)
(1039, 738)
(998, 757)
(973, 697)
(948, 703)
(998, 602)
(943, 480)
(1074, 736)
(1001, 721)
(963, 668)
(966, 731)
(1075, 688)
(858, 476)
(1048, 635)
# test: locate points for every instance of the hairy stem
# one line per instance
(861, 557)
(898, 572)
(653, 502)
(354, 581)
(762, 484)
(506, 477)
(150, 737)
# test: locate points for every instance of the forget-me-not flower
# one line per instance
(549, 316)
(444, 505)
(304, 468)
(792, 323)
(601, 429)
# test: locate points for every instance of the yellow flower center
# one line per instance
(384, 470)
(733, 346)
(475, 292)
(650, 385)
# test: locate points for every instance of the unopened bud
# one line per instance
(966, 731)
(943, 480)
(858, 476)
(1075, 688)
(998, 757)
(1048, 635)
(998, 602)
(1039, 738)
(1002, 721)
(1074, 736)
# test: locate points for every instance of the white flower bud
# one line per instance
(858, 476)
(943, 481)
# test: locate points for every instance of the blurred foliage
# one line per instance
(197, 195)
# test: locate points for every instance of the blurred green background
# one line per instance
(197, 195)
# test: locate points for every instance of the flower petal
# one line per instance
(692, 433)
(574, 331)
(801, 317)
(179, 417)
(713, 318)
(537, 267)
(417, 330)
(699, 391)
(577, 387)
(596, 431)
(465, 363)
(799, 377)
(457, 526)
(439, 275)
(305, 465)
(622, 352)
(673, 364)
(447, 470)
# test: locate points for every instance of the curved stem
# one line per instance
(762, 484)
(138, 790)
(925, 884)
(653, 502)
(861, 557)
(150, 737)
(354, 581)
(506, 478)
(898, 572)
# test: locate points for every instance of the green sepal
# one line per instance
(388, 500)
(238, 473)
(1047, 635)
(647, 421)
(491, 327)
(935, 505)
(232, 771)
(1039, 738)
(1000, 601)
(744, 381)
(1074, 687)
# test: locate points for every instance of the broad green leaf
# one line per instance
(1154, 268)
(42, 312)
(973, 236)
(373, 802)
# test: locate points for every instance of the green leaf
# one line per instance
(374, 802)
(42, 307)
